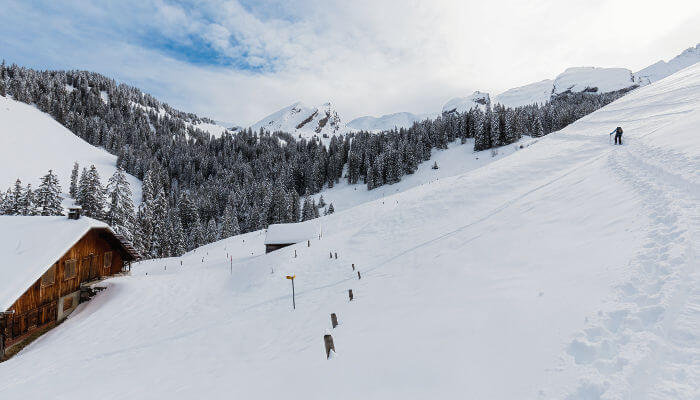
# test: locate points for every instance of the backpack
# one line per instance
(619, 130)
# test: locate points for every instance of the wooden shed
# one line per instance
(283, 235)
(45, 261)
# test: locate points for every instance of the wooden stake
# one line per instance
(308, 243)
(353, 267)
(336, 256)
(331, 255)
(350, 294)
(328, 342)
(334, 320)
(295, 253)
(358, 275)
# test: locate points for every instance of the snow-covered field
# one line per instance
(31, 143)
(456, 160)
(567, 269)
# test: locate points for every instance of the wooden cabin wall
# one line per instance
(38, 306)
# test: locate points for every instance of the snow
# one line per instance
(462, 104)
(301, 120)
(567, 269)
(31, 143)
(662, 69)
(213, 129)
(292, 233)
(534, 93)
(456, 160)
(387, 122)
(30, 245)
(604, 80)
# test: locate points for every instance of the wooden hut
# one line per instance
(283, 235)
(46, 261)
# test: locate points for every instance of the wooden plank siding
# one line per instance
(38, 306)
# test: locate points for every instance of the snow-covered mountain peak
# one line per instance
(302, 120)
(461, 104)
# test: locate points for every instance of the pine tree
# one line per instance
(48, 195)
(92, 194)
(160, 232)
(229, 226)
(27, 204)
(120, 210)
(179, 242)
(196, 235)
(13, 198)
(321, 202)
(330, 210)
(307, 210)
(73, 191)
(212, 231)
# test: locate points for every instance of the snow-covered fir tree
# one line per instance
(120, 209)
(74, 175)
(48, 195)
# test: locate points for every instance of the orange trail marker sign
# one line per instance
(291, 278)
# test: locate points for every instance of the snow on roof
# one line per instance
(291, 233)
(30, 245)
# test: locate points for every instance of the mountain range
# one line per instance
(309, 121)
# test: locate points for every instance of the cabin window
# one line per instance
(69, 269)
(108, 260)
(49, 277)
(67, 303)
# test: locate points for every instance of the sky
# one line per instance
(240, 60)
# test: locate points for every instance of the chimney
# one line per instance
(74, 212)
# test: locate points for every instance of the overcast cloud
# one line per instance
(240, 60)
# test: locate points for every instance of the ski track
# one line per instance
(649, 347)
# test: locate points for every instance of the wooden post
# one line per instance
(358, 275)
(334, 320)
(295, 253)
(331, 255)
(328, 342)
(336, 256)
(308, 243)
(350, 294)
(353, 267)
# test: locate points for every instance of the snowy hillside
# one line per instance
(462, 104)
(31, 143)
(456, 160)
(567, 270)
(592, 79)
(301, 120)
(534, 93)
(662, 69)
(215, 129)
(387, 122)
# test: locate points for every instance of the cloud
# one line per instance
(240, 60)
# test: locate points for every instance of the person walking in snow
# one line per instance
(618, 135)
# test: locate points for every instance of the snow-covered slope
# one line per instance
(31, 143)
(567, 270)
(578, 79)
(462, 104)
(662, 69)
(215, 129)
(534, 93)
(301, 120)
(387, 122)
(458, 159)
(593, 79)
